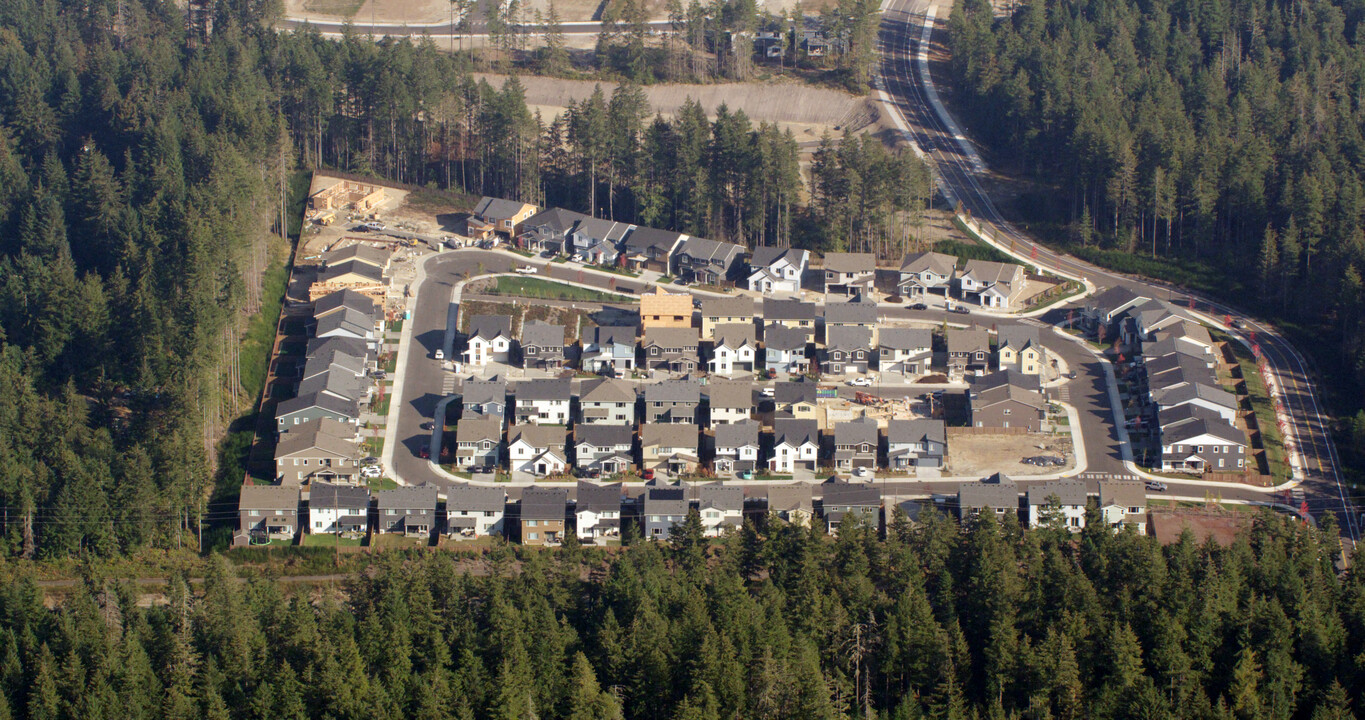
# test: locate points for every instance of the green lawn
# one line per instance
(373, 446)
(329, 540)
(381, 483)
(391, 362)
(529, 287)
(396, 326)
(381, 408)
(1265, 413)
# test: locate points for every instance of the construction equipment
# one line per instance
(863, 398)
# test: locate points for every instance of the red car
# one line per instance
(646, 474)
(425, 452)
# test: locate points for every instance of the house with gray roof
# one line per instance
(1123, 503)
(737, 448)
(338, 509)
(323, 450)
(1203, 445)
(651, 249)
(840, 500)
(852, 315)
(345, 322)
(708, 262)
(548, 230)
(475, 511)
(484, 397)
(498, 215)
(855, 444)
(543, 401)
(721, 508)
(606, 401)
(784, 349)
(735, 350)
(1070, 497)
(1018, 347)
(729, 310)
(672, 401)
(850, 273)
(489, 340)
(376, 256)
(663, 508)
(266, 513)
(670, 447)
(847, 351)
(543, 515)
(1007, 399)
(347, 346)
(791, 503)
(992, 284)
(918, 443)
(306, 408)
(796, 445)
(997, 494)
(478, 442)
(410, 511)
(790, 314)
(926, 272)
(672, 349)
(609, 349)
(597, 241)
(1214, 399)
(730, 401)
(777, 269)
(796, 400)
(538, 450)
(346, 299)
(905, 351)
(608, 449)
(597, 512)
(542, 345)
(969, 350)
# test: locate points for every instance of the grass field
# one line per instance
(529, 287)
(1265, 413)
(317, 540)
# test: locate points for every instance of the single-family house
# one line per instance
(307, 408)
(926, 272)
(543, 513)
(478, 441)
(1123, 503)
(1069, 497)
(735, 350)
(347, 346)
(792, 503)
(609, 349)
(341, 509)
(1102, 310)
(850, 274)
(1018, 347)
(323, 450)
(597, 241)
(663, 508)
(847, 351)
(795, 400)
(968, 350)
(855, 444)
(721, 509)
(718, 311)
(905, 351)
(796, 445)
(1006, 399)
(992, 284)
(1152, 317)
(672, 401)
(1171, 371)
(335, 381)
(997, 494)
(537, 449)
(496, 216)
(1183, 414)
(359, 252)
(607, 449)
(840, 501)
(708, 262)
(1214, 399)
(266, 513)
(548, 230)
(784, 349)
(737, 448)
(918, 443)
(1203, 445)
(853, 314)
(542, 345)
(489, 340)
(673, 349)
(670, 447)
(651, 249)
(1187, 332)
(1156, 349)
(341, 300)
(597, 512)
(793, 314)
(731, 401)
(777, 269)
(410, 511)
(543, 401)
(484, 397)
(354, 274)
(606, 401)
(663, 309)
(474, 511)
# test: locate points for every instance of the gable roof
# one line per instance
(475, 498)
(340, 497)
(1114, 298)
(736, 435)
(1125, 493)
(939, 263)
(407, 498)
(489, 327)
(353, 322)
(987, 272)
(1002, 493)
(597, 498)
(602, 435)
(602, 229)
(730, 393)
(684, 391)
(711, 250)
(848, 338)
(1185, 413)
(479, 392)
(999, 378)
(326, 435)
(856, 432)
(340, 383)
(279, 498)
(347, 267)
(606, 390)
(786, 393)
(737, 306)
(543, 389)
(613, 335)
(355, 347)
(768, 255)
(477, 427)
(346, 298)
(542, 335)
(377, 257)
(557, 220)
(775, 309)
(851, 262)
(1017, 337)
(668, 435)
(851, 313)
(968, 341)
(795, 432)
(1186, 329)
(498, 208)
(665, 501)
(550, 437)
(735, 335)
(905, 338)
(542, 503)
(331, 403)
(1195, 391)
(914, 431)
(1068, 492)
(844, 494)
(1219, 429)
(781, 337)
(788, 498)
(720, 497)
(643, 238)
(669, 337)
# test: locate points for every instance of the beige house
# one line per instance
(323, 450)
(498, 216)
(791, 503)
(725, 311)
(1018, 348)
(662, 309)
(671, 447)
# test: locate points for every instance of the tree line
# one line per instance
(773, 622)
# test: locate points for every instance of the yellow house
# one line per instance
(1019, 348)
(725, 311)
(795, 399)
(495, 215)
(662, 309)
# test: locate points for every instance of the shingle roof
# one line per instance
(1017, 337)
(905, 338)
(475, 498)
(738, 306)
(779, 337)
(1217, 428)
(665, 501)
(970, 340)
(355, 347)
(489, 327)
(735, 336)
(786, 498)
(850, 495)
(1000, 378)
(268, 497)
(559, 220)
(1001, 494)
(602, 435)
(668, 435)
(614, 334)
(730, 393)
(378, 257)
(347, 298)
(340, 497)
(786, 393)
(543, 389)
(1113, 298)
(767, 255)
(597, 498)
(1069, 492)
(550, 437)
(345, 408)
(1186, 393)
(848, 338)
(476, 391)
(913, 431)
(989, 271)
(327, 435)
(1185, 413)
(407, 498)
(539, 503)
(938, 262)
(775, 310)
(684, 391)
(720, 497)
(1124, 493)
(602, 229)
(704, 249)
(734, 435)
(353, 322)
(606, 390)
(335, 382)
(856, 432)
(542, 335)
(642, 238)
(795, 432)
(498, 208)
(851, 262)
(363, 269)
(477, 427)
(843, 313)
(669, 337)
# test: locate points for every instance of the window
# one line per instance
(654, 518)
(488, 513)
(531, 523)
(1201, 448)
(533, 536)
(1007, 411)
(318, 525)
(254, 513)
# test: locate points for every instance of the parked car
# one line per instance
(861, 382)
(646, 474)
(527, 270)
(862, 472)
(959, 310)
(767, 391)
(481, 470)
(372, 460)
(428, 426)
(371, 471)
(439, 354)
(424, 452)
(1156, 486)
(919, 306)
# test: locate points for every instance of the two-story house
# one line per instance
(307, 408)
(1007, 399)
(968, 350)
(730, 401)
(663, 309)
(663, 508)
(496, 216)
(474, 511)
(791, 503)
(607, 449)
(721, 509)
(991, 284)
(839, 501)
(905, 351)
(341, 509)
(847, 351)
(672, 401)
(863, 315)
(737, 448)
(1018, 348)
(543, 401)
(1211, 398)
(409, 511)
(850, 274)
(795, 400)
(784, 350)
(651, 249)
(606, 401)
(1123, 503)
(997, 495)
(670, 447)
(542, 345)
(548, 230)
(537, 449)
(597, 241)
(266, 513)
(597, 512)
(792, 314)
(478, 442)
(734, 351)
(721, 311)
(926, 272)
(543, 513)
(796, 445)
(671, 349)
(918, 443)
(487, 398)
(855, 444)
(324, 450)
(708, 262)
(1065, 498)
(609, 350)
(777, 269)
(490, 340)
(1203, 445)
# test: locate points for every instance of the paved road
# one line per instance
(961, 171)
(476, 28)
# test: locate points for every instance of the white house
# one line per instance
(474, 511)
(490, 340)
(992, 284)
(905, 351)
(543, 401)
(338, 508)
(736, 447)
(537, 449)
(1070, 495)
(796, 444)
(606, 401)
(784, 349)
(1201, 445)
(735, 350)
(731, 401)
(1124, 502)
(721, 509)
(605, 448)
(777, 269)
(925, 272)
(597, 512)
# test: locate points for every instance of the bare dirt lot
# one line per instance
(982, 455)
